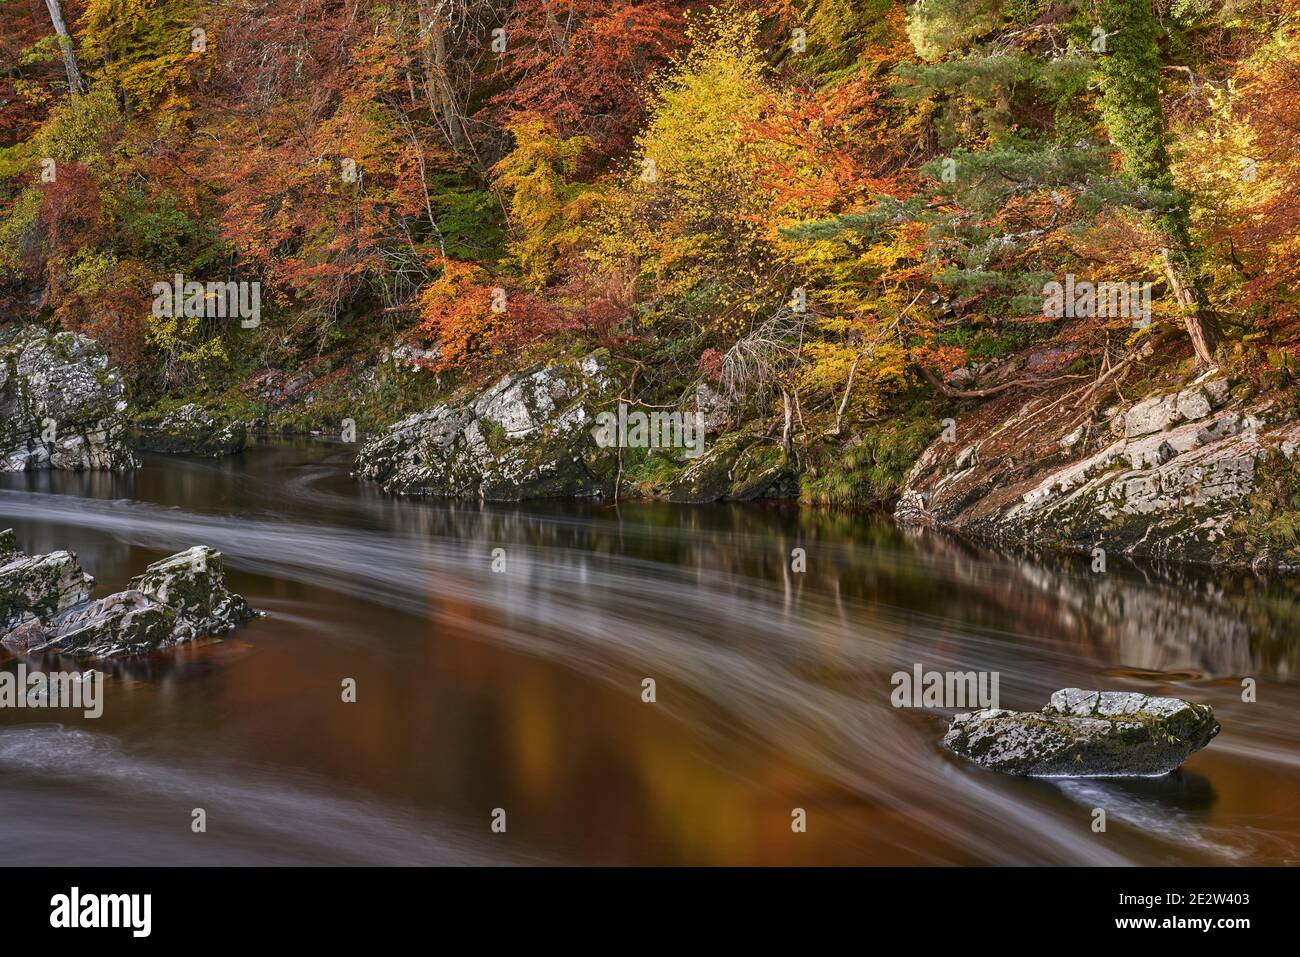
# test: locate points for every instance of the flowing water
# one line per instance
(521, 689)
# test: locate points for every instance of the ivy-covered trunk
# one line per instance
(1129, 70)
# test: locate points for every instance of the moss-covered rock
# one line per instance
(737, 467)
(62, 406)
(190, 430)
(45, 604)
(527, 436)
(193, 582)
(1085, 734)
(40, 587)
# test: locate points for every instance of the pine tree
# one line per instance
(1017, 90)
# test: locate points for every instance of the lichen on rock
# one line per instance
(1085, 734)
(527, 436)
(62, 405)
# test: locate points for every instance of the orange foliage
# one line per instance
(473, 319)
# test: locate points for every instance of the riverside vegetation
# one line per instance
(840, 234)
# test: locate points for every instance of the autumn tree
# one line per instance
(584, 66)
(548, 202)
(689, 209)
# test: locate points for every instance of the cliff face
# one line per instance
(62, 406)
(1200, 471)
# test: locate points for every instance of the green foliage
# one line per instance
(869, 471)
(937, 27)
(155, 229)
(1129, 73)
(469, 218)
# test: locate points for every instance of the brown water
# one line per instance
(521, 689)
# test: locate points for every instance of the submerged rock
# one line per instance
(1085, 734)
(45, 604)
(190, 430)
(62, 406)
(527, 436)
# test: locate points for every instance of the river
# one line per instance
(513, 680)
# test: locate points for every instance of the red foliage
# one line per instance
(710, 363)
(474, 320)
(70, 209)
(28, 90)
(582, 64)
(601, 304)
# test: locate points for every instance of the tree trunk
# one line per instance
(786, 445)
(442, 68)
(1129, 70)
(848, 390)
(437, 74)
(1200, 324)
(75, 83)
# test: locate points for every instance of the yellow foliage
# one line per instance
(547, 205)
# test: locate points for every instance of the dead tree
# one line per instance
(761, 360)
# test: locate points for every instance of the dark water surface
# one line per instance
(521, 689)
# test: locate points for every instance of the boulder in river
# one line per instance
(37, 587)
(62, 405)
(1085, 734)
(193, 582)
(190, 430)
(529, 435)
(45, 604)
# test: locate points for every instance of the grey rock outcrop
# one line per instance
(62, 406)
(1171, 477)
(527, 436)
(1085, 734)
(40, 587)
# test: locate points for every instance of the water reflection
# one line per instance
(521, 689)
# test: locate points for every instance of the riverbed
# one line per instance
(500, 655)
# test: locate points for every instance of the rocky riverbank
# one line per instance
(1177, 468)
(1200, 471)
